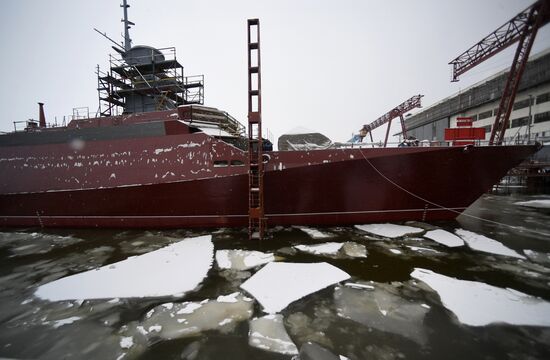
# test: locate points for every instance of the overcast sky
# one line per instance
(330, 66)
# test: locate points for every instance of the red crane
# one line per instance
(398, 111)
(521, 28)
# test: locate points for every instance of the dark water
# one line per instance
(32, 257)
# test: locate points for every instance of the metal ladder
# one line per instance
(256, 219)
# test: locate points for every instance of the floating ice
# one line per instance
(354, 250)
(242, 259)
(330, 248)
(278, 284)
(269, 333)
(382, 308)
(126, 342)
(66, 321)
(541, 204)
(538, 257)
(335, 250)
(482, 243)
(444, 237)
(314, 233)
(173, 269)
(479, 304)
(191, 318)
(422, 249)
(395, 251)
(389, 230)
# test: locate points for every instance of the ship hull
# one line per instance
(361, 186)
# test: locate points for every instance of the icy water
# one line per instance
(407, 297)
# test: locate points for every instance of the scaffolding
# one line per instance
(146, 79)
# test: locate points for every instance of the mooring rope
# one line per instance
(444, 207)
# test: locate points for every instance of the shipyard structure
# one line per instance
(530, 117)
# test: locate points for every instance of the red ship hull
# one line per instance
(176, 180)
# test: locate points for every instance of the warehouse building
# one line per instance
(530, 115)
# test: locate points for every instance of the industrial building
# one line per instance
(530, 117)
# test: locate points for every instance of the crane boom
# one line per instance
(397, 111)
(498, 40)
(521, 28)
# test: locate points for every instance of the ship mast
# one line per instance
(127, 25)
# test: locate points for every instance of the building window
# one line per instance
(487, 128)
(542, 98)
(474, 117)
(495, 112)
(545, 116)
(485, 115)
(521, 104)
(522, 121)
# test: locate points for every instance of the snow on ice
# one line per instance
(173, 269)
(479, 304)
(444, 237)
(242, 259)
(269, 333)
(541, 204)
(485, 244)
(389, 230)
(277, 285)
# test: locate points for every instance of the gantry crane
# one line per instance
(398, 111)
(521, 28)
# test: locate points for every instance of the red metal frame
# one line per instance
(398, 111)
(256, 218)
(523, 28)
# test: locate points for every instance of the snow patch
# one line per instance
(276, 285)
(479, 304)
(173, 269)
(485, 244)
(389, 230)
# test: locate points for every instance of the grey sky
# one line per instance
(331, 66)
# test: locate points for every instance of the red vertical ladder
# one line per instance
(256, 219)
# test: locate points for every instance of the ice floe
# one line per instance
(335, 250)
(543, 258)
(479, 304)
(485, 244)
(314, 233)
(542, 204)
(382, 307)
(191, 318)
(173, 269)
(389, 230)
(444, 237)
(329, 248)
(242, 259)
(278, 284)
(269, 333)
(422, 249)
